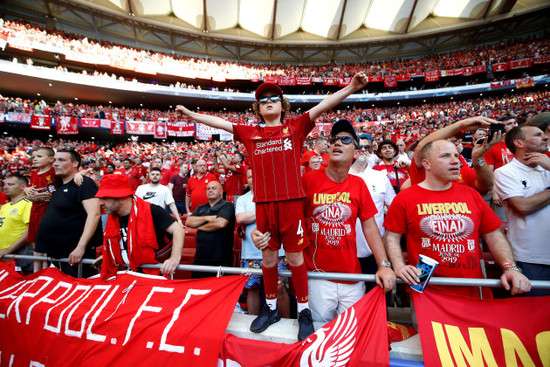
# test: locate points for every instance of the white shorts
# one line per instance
(328, 299)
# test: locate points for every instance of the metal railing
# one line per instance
(221, 270)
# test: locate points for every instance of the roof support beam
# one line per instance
(337, 33)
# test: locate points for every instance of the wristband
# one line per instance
(512, 267)
(507, 264)
(385, 263)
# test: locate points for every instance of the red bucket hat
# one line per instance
(267, 87)
(114, 186)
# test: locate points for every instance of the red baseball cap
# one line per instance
(268, 87)
(114, 186)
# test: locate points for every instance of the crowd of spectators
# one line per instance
(123, 56)
(406, 123)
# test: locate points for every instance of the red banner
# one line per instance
(525, 83)
(402, 77)
(330, 81)
(520, 64)
(358, 337)
(431, 76)
(468, 71)
(303, 81)
(117, 127)
(271, 79)
(67, 125)
(500, 66)
(479, 69)
(93, 123)
(453, 72)
(342, 82)
(389, 81)
(161, 130)
(376, 79)
(460, 331)
(287, 81)
(140, 127)
(41, 122)
(541, 60)
(180, 129)
(504, 83)
(50, 319)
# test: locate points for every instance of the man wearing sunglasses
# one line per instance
(274, 147)
(334, 201)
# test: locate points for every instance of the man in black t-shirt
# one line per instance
(215, 223)
(69, 227)
(136, 230)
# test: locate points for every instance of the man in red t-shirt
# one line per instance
(334, 201)
(234, 173)
(135, 175)
(274, 151)
(196, 187)
(320, 150)
(444, 220)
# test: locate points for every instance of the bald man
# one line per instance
(444, 220)
(215, 224)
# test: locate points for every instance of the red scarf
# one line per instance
(142, 244)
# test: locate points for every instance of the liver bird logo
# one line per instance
(332, 346)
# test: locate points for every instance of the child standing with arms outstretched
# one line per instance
(275, 150)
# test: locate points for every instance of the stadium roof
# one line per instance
(294, 31)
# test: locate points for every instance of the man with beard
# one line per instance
(158, 194)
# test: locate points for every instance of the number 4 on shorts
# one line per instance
(300, 231)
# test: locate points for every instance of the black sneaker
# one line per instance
(305, 324)
(264, 319)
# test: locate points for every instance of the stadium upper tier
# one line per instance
(482, 59)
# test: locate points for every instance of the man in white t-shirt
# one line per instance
(523, 185)
(382, 194)
(158, 194)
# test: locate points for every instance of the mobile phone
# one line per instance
(493, 128)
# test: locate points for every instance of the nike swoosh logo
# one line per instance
(149, 195)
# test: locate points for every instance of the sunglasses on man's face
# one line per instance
(273, 99)
(344, 139)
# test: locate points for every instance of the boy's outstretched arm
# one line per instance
(359, 81)
(212, 121)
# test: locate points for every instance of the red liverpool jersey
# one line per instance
(275, 155)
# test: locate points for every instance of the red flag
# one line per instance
(303, 81)
(287, 81)
(525, 83)
(67, 125)
(520, 64)
(42, 122)
(390, 81)
(431, 76)
(500, 66)
(161, 130)
(541, 59)
(181, 129)
(330, 81)
(342, 82)
(460, 331)
(50, 319)
(117, 127)
(358, 337)
(140, 127)
(86, 122)
(376, 79)
(271, 79)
